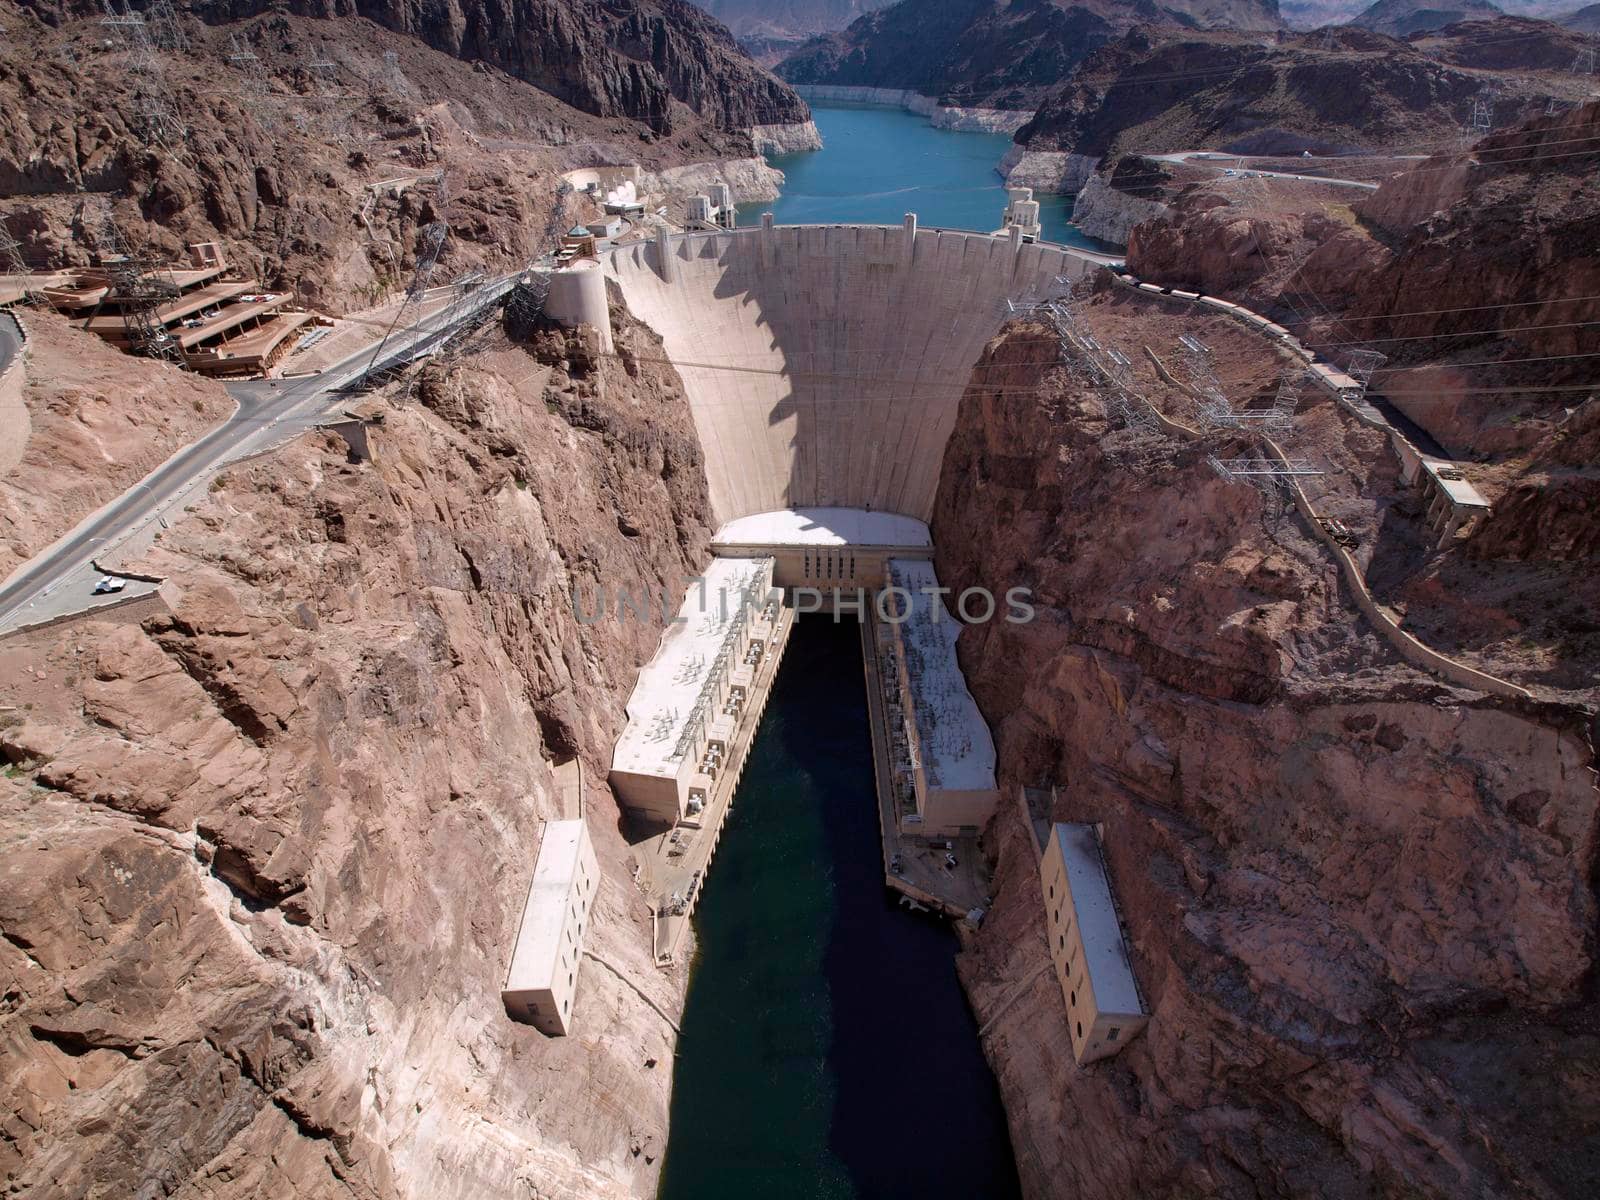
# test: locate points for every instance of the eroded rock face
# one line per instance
(613, 60)
(1359, 903)
(994, 55)
(320, 181)
(1158, 90)
(264, 856)
(1470, 272)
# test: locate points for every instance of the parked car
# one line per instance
(109, 584)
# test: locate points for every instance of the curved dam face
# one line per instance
(824, 363)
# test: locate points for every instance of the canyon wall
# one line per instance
(265, 852)
(320, 182)
(1467, 270)
(1104, 211)
(1360, 903)
(1163, 90)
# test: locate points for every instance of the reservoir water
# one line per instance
(827, 1050)
(877, 164)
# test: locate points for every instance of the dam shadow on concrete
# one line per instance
(828, 1052)
(824, 364)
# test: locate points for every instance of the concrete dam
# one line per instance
(824, 364)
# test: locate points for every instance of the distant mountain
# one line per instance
(1399, 18)
(996, 53)
(749, 19)
(1313, 14)
(1585, 20)
(1157, 91)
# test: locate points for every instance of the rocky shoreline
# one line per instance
(959, 120)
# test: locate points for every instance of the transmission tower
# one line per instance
(130, 30)
(1483, 114)
(164, 30)
(392, 79)
(1363, 364)
(1200, 365)
(433, 237)
(322, 72)
(245, 60)
(432, 242)
(156, 123)
(1233, 469)
(139, 292)
(11, 256)
(1583, 63)
(152, 116)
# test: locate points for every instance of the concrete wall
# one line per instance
(824, 364)
(15, 424)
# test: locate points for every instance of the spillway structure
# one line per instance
(823, 366)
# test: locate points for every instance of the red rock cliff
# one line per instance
(1360, 903)
(264, 855)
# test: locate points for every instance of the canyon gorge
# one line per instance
(270, 818)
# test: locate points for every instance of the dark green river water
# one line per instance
(827, 1052)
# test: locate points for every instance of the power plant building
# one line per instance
(825, 548)
(690, 696)
(942, 743)
(1104, 1008)
(542, 980)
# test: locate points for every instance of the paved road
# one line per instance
(10, 340)
(1209, 159)
(270, 412)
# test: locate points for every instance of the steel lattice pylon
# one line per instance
(139, 292)
(1236, 468)
(11, 257)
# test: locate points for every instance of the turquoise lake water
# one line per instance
(877, 164)
(827, 1050)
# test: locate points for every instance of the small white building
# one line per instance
(607, 227)
(676, 740)
(542, 981)
(1104, 1008)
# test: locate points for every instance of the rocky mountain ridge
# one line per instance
(315, 181)
(1336, 92)
(977, 53)
(640, 59)
(1400, 18)
(1495, 230)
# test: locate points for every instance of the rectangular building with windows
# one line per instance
(542, 981)
(940, 736)
(1104, 1008)
(688, 696)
